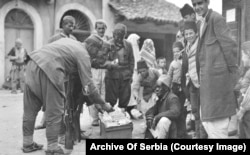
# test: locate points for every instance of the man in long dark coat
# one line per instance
(216, 67)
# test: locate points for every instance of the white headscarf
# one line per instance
(133, 39)
(148, 53)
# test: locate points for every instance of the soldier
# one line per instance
(68, 25)
(45, 86)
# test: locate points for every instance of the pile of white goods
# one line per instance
(116, 118)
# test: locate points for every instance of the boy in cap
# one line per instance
(187, 13)
(68, 25)
(162, 117)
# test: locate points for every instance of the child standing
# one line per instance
(175, 81)
(191, 36)
(162, 65)
(174, 72)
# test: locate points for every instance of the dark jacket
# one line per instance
(168, 106)
(216, 59)
(184, 71)
(62, 58)
(125, 66)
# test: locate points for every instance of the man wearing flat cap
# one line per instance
(45, 85)
(161, 119)
(119, 69)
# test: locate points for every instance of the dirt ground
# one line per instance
(11, 111)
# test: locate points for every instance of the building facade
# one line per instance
(237, 13)
(157, 20)
(36, 21)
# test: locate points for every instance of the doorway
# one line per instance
(17, 25)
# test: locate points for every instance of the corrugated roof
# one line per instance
(154, 10)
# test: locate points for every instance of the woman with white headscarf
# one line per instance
(134, 40)
(148, 53)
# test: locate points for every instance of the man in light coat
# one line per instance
(46, 72)
(216, 67)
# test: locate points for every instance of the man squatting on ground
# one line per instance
(161, 119)
(46, 73)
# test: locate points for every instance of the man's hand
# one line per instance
(233, 69)
(240, 115)
(154, 124)
(13, 57)
(136, 97)
(149, 123)
(104, 107)
(155, 121)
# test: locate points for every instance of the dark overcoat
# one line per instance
(217, 64)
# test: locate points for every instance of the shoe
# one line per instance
(33, 147)
(59, 151)
(95, 123)
(43, 126)
(83, 136)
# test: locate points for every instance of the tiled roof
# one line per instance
(152, 10)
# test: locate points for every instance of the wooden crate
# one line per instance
(116, 132)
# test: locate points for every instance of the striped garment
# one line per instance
(245, 90)
(148, 53)
(192, 72)
(245, 104)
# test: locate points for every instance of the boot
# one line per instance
(58, 151)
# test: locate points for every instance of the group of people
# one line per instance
(203, 73)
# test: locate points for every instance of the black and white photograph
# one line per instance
(73, 72)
